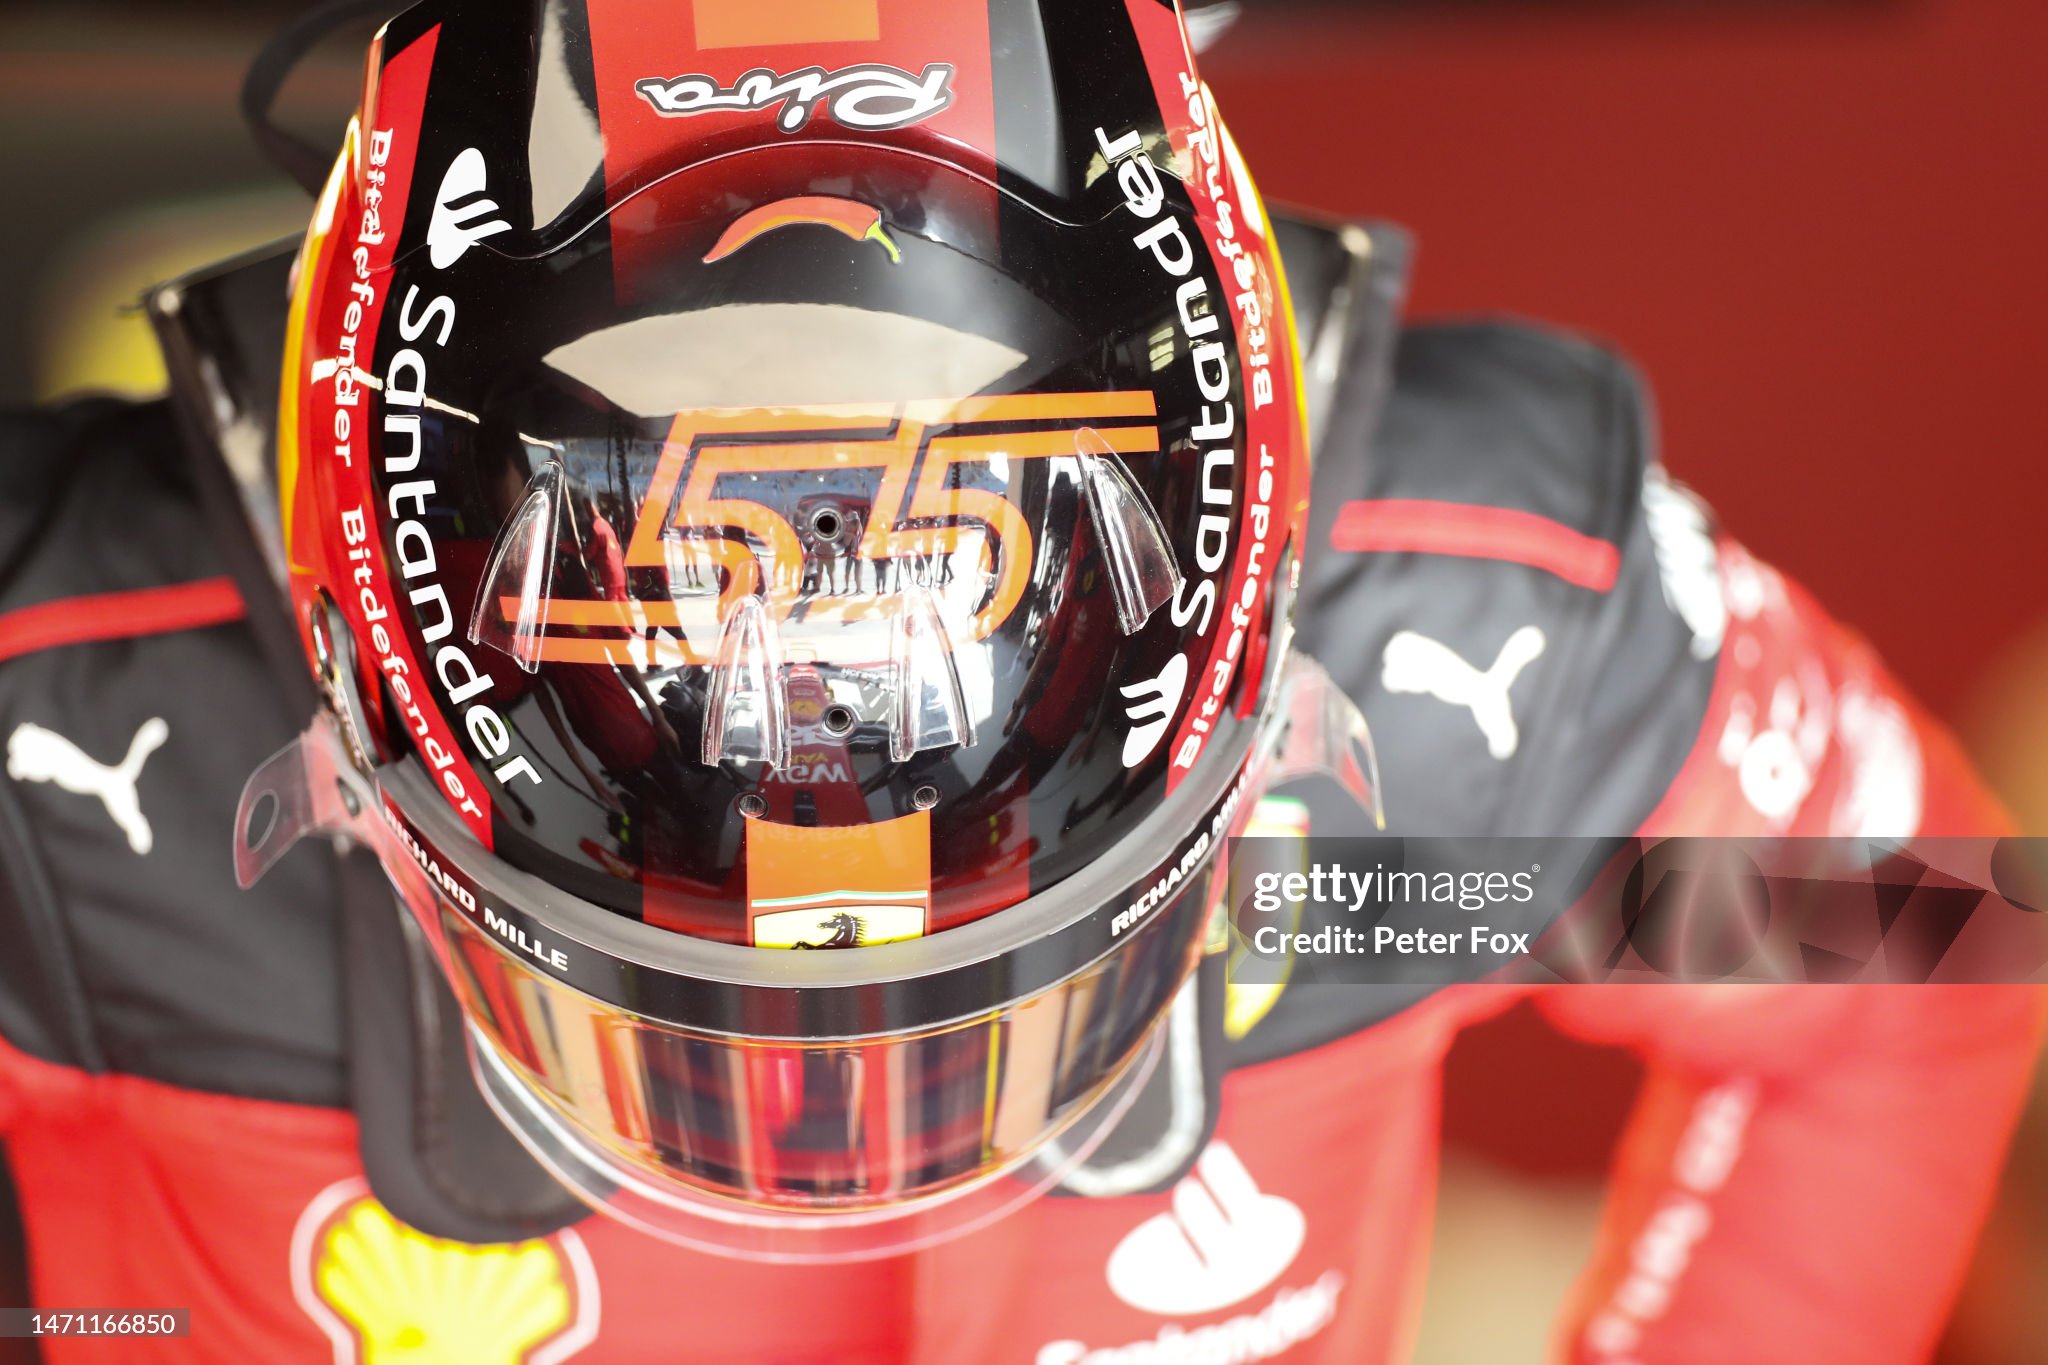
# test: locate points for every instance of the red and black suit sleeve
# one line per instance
(1807, 1166)
(141, 682)
(1480, 576)
(1487, 540)
(133, 703)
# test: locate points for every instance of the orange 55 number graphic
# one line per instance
(887, 502)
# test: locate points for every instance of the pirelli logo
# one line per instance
(829, 514)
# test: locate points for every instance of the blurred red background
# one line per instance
(1822, 230)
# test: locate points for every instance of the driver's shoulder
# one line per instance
(1481, 575)
(133, 702)
(95, 496)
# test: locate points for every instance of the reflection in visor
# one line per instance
(842, 1124)
(810, 1107)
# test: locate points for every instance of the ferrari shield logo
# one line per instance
(840, 919)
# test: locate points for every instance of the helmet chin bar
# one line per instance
(811, 1107)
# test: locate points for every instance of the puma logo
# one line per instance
(38, 755)
(1152, 705)
(453, 230)
(1417, 664)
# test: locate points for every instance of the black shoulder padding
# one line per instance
(55, 467)
(1600, 693)
(435, 1154)
(1505, 414)
(1607, 696)
(147, 959)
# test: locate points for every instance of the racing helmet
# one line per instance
(794, 511)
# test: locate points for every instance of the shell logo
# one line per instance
(386, 1294)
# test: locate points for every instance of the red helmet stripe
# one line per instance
(336, 448)
(1232, 224)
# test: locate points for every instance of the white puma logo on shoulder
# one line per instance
(1415, 663)
(38, 755)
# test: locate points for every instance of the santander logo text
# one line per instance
(461, 219)
(1223, 1241)
(1154, 703)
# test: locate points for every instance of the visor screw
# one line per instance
(753, 805)
(349, 802)
(839, 720)
(925, 797)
